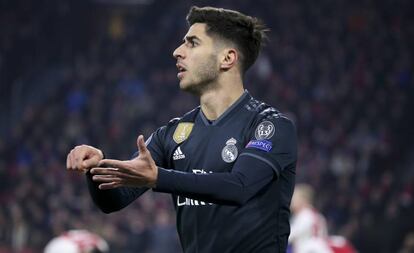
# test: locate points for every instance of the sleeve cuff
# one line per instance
(165, 180)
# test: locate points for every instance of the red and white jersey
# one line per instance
(340, 244)
(76, 241)
(309, 232)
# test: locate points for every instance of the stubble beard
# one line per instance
(205, 77)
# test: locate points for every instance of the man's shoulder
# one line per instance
(188, 117)
(262, 110)
(181, 126)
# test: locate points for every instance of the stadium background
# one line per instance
(102, 72)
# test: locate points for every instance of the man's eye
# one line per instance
(192, 43)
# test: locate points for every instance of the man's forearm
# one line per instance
(112, 200)
(232, 188)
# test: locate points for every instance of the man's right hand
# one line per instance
(83, 157)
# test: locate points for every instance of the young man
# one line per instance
(309, 231)
(229, 163)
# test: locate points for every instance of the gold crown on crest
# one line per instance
(231, 141)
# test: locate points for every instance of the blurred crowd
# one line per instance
(87, 72)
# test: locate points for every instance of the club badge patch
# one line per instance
(182, 132)
(230, 152)
(264, 130)
(264, 145)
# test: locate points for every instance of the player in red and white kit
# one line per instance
(309, 232)
(77, 241)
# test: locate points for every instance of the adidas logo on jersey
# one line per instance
(178, 154)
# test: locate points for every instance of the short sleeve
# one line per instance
(273, 140)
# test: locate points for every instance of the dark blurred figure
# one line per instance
(408, 245)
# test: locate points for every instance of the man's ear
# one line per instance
(229, 59)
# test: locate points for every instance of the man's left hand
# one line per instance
(138, 172)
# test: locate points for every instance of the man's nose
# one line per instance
(178, 52)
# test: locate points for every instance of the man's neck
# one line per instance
(216, 101)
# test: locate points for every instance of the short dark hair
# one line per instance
(246, 32)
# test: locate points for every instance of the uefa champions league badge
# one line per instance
(230, 152)
(263, 145)
(265, 130)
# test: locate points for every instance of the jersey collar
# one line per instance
(237, 104)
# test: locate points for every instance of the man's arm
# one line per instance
(248, 177)
(84, 157)
(258, 164)
(114, 199)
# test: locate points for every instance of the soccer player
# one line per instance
(77, 241)
(229, 164)
(309, 230)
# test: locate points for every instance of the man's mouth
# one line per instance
(181, 70)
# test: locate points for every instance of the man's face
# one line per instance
(197, 60)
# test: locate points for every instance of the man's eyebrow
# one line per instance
(191, 38)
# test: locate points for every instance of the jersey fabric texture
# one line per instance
(231, 179)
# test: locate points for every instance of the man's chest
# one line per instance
(209, 149)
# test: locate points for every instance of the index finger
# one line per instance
(111, 163)
(68, 165)
(105, 171)
(69, 162)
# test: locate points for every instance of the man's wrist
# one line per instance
(154, 179)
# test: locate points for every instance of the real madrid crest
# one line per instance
(264, 130)
(230, 152)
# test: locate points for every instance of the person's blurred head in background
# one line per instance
(302, 197)
(77, 241)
